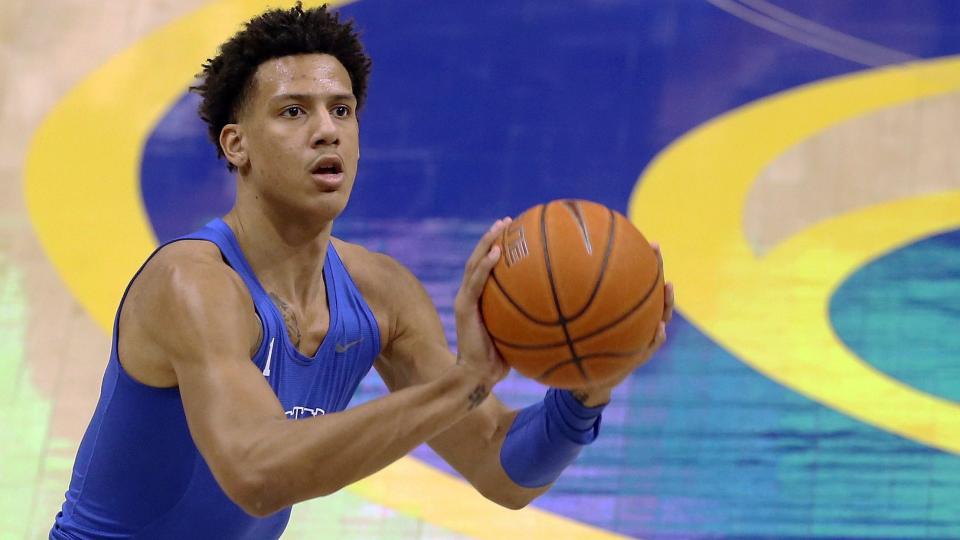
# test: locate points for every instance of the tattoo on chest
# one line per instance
(289, 319)
(477, 396)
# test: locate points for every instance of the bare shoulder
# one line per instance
(184, 296)
(388, 286)
(185, 270)
(375, 273)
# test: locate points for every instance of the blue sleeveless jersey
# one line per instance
(138, 473)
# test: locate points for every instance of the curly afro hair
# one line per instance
(227, 79)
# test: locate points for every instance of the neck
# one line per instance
(287, 255)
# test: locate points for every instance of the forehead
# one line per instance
(303, 73)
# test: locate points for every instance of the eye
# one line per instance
(341, 111)
(293, 111)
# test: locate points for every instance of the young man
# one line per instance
(228, 333)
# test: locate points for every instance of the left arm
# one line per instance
(416, 351)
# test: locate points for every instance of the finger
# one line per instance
(656, 249)
(477, 278)
(483, 247)
(668, 302)
(658, 338)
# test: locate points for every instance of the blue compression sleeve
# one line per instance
(546, 437)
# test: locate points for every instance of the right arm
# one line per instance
(195, 312)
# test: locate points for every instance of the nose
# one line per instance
(325, 131)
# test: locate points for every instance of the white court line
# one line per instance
(806, 32)
(883, 54)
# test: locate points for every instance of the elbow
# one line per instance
(252, 485)
(516, 501)
(262, 479)
(261, 493)
(512, 497)
(252, 492)
(513, 503)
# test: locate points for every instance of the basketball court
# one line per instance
(796, 161)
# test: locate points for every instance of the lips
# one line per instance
(327, 171)
(327, 165)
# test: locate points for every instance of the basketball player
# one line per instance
(227, 334)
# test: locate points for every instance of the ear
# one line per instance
(232, 143)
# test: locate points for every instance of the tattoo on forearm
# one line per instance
(477, 396)
(289, 319)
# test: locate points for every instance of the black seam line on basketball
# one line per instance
(496, 281)
(603, 268)
(521, 346)
(581, 359)
(620, 319)
(517, 306)
(600, 330)
(553, 289)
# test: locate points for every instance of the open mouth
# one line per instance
(327, 165)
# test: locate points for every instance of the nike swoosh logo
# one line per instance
(344, 347)
(266, 370)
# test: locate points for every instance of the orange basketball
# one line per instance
(576, 296)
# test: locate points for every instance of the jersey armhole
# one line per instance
(115, 337)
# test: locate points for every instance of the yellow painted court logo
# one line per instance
(771, 310)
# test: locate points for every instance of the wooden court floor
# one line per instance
(52, 351)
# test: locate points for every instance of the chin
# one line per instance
(328, 206)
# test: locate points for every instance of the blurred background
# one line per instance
(795, 159)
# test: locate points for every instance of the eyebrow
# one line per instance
(312, 97)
